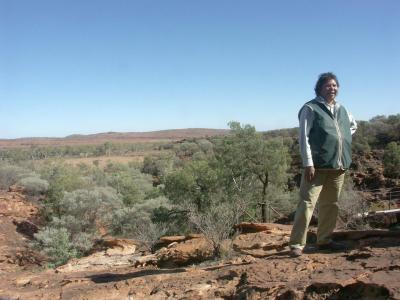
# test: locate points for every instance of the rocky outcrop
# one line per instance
(116, 253)
(15, 205)
(16, 227)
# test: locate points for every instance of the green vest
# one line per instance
(330, 137)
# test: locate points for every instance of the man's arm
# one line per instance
(306, 119)
(353, 123)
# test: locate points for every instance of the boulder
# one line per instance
(114, 252)
(188, 252)
(261, 244)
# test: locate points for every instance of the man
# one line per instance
(325, 145)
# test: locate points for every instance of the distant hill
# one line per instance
(114, 137)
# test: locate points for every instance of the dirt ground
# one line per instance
(260, 269)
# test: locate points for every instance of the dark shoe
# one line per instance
(296, 252)
(332, 246)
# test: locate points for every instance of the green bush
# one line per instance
(34, 185)
(186, 149)
(89, 207)
(56, 243)
(80, 215)
(136, 222)
(62, 178)
(131, 185)
(11, 174)
(157, 166)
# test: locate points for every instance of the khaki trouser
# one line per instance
(325, 187)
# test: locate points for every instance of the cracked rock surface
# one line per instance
(368, 272)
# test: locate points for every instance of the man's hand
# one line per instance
(309, 173)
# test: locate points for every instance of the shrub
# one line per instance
(186, 149)
(90, 207)
(34, 185)
(136, 222)
(282, 202)
(157, 166)
(62, 178)
(81, 214)
(131, 185)
(56, 243)
(352, 208)
(175, 217)
(218, 220)
(10, 174)
(148, 232)
(206, 146)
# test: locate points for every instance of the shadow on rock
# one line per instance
(109, 277)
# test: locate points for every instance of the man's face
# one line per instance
(329, 90)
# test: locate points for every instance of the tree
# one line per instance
(247, 157)
(192, 184)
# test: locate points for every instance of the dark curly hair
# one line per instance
(324, 77)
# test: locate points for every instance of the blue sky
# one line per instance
(90, 66)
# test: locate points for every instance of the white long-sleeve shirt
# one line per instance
(306, 119)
